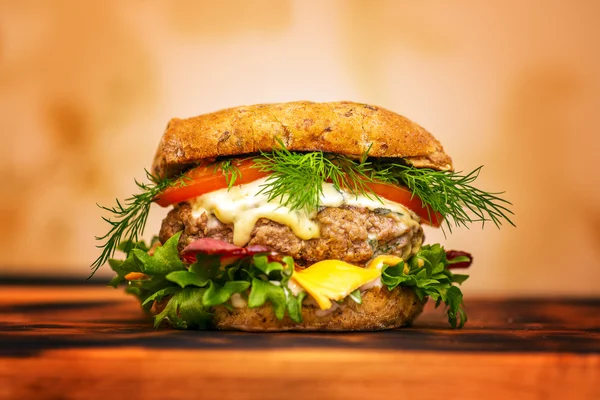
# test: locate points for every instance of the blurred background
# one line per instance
(87, 87)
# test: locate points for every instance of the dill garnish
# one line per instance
(449, 193)
(297, 179)
(130, 217)
(229, 170)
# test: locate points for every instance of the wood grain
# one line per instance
(94, 342)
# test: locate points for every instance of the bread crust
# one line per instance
(380, 309)
(337, 127)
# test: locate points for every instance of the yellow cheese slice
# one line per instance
(379, 261)
(333, 280)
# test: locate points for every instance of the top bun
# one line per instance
(338, 127)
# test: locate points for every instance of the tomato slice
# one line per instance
(405, 197)
(204, 179)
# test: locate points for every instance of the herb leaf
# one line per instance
(427, 275)
(262, 262)
(129, 219)
(449, 193)
(185, 310)
(160, 294)
(263, 291)
(296, 180)
(192, 292)
(229, 170)
(187, 278)
(165, 258)
(294, 304)
(356, 296)
(217, 294)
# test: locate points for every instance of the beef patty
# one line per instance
(350, 234)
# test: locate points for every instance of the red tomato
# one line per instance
(204, 179)
(405, 197)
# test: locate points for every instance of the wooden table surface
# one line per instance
(72, 342)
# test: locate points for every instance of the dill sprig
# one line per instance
(449, 193)
(296, 179)
(229, 169)
(130, 217)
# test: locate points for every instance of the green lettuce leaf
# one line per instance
(458, 278)
(192, 291)
(280, 296)
(217, 294)
(455, 311)
(127, 245)
(356, 296)
(293, 304)
(206, 283)
(263, 291)
(427, 274)
(185, 310)
(159, 295)
(122, 268)
(187, 278)
(262, 263)
(207, 267)
(165, 259)
(459, 259)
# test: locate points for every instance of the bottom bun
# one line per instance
(380, 309)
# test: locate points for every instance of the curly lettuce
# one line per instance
(192, 291)
(428, 275)
(189, 292)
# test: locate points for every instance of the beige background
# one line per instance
(86, 88)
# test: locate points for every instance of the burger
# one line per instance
(297, 216)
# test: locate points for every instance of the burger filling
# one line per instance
(245, 250)
(346, 227)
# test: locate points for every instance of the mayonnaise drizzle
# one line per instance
(242, 206)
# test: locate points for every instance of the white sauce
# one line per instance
(370, 285)
(294, 287)
(324, 313)
(238, 301)
(242, 206)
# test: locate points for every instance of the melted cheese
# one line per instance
(242, 206)
(379, 261)
(333, 280)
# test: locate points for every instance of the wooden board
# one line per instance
(94, 342)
